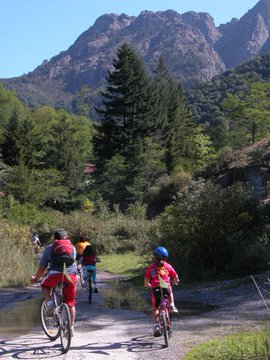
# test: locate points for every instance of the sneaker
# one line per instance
(174, 309)
(50, 309)
(96, 290)
(157, 331)
(72, 331)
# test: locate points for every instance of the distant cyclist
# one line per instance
(89, 260)
(158, 277)
(36, 242)
(81, 245)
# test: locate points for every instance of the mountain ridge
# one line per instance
(193, 48)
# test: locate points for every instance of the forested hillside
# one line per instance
(210, 109)
(137, 177)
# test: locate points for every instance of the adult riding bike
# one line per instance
(58, 323)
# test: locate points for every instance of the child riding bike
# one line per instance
(88, 261)
(158, 277)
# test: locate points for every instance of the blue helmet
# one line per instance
(161, 252)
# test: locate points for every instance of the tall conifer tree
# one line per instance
(124, 103)
(170, 118)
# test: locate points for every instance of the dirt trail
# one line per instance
(127, 335)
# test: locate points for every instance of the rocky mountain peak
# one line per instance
(205, 23)
(191, 45)
(112, 22)
(247, 37)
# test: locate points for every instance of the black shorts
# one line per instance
(157, 294)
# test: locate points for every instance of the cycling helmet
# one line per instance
(161, 252)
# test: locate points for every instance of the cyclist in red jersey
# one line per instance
(159, 275)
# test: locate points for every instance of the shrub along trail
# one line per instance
(103, 333)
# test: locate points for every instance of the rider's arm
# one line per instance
(43, 263)
(146, 282)
(39, 274)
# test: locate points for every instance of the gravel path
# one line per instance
(127, 335)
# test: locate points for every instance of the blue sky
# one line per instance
(35, 30)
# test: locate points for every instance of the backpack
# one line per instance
(62, 252)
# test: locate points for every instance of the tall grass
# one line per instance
(17, 260)
(249, 346)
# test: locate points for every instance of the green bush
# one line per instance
(212, 231)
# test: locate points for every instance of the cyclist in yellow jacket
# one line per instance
(81, 245)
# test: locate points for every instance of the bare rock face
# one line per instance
(191, 45)
(245, 38)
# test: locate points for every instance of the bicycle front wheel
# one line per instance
(65, 327)
(165, 328)
(49, 324)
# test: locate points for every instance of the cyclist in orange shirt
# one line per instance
(81, 245)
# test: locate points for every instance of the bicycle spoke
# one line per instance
(49, 324)
(65, 328)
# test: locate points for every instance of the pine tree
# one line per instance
(170, 118)
(124, 103)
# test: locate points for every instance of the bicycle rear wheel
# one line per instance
(89, 286)
(50, 325)
(65, 327)
(165, 327)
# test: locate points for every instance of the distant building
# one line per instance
(2, 194)
(89, 168)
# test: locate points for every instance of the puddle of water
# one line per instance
(126, 296)
(24, 316)
(21, 318)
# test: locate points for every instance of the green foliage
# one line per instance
(249, 113)
(113, 180)
(252, 346)
(170, 119)
(22, 138)
(29, 215)
(215, 231)
(111, 232)
(124, 104)
(24, 184)
(149, 166)
(206, 98)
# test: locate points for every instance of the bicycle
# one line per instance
(164, 318)
(89, 285)
(58, 325)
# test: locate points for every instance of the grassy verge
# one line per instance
(17, 261)
(248, 346)
(127, 264)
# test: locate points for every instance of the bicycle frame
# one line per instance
(165, 318)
